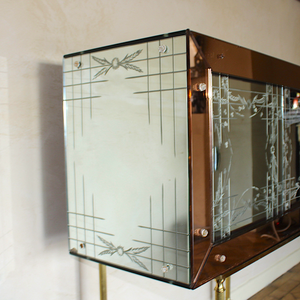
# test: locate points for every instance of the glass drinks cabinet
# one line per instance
(182, 156)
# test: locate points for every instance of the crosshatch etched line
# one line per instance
(151, 250)
(165, 247)
(75, 196)
(242, 91)
(83, 98)
(85, 83)
(160, 261)
(94, 244)
(93, 213)
(91, 108)
(97, 81)
(91, 100)
(83, 204)
(93, 207)
(162, 230)
(225, 198)
(137, 255)
(162, 90)
(81, 114)
(73, 110)
(148, 95)
(228, 106)
(237, 103)
(165, 55)
(160, 103)
(81, 106)
(91, 230)
(84, 215)
(217, 118)
(282, 181)
(163, 218)
(157, 74)
(134, 60)
(249, 218)
(220, 110)
(174, 110)
(292, 189)
(110, 234)
(83, 195)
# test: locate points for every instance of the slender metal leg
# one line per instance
(102, 280)
(219, 289)
(227, 282)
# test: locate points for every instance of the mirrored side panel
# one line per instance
(126, 132)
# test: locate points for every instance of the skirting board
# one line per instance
(252, 279)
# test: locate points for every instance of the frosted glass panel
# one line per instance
(252, 181)
(126, 131)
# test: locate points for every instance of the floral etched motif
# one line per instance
(237, 104)
(116, 63)
(131, 252)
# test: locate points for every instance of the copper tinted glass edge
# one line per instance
(190, 167)
(237, 61)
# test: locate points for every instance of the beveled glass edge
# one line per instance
(190, 181)
(116, 266)
(128, 43)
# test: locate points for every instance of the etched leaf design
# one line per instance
(107, 252)
(102, 71)
(129, 252)
(133, 67)
(108, 244)
(139, 250)
(129, 58)
(102, 62)
(137, 261)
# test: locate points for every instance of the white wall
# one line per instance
(34, 35)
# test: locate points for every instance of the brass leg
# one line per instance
(102, 280)
(227, 288)
(219, 289)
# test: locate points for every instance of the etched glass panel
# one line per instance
(252, 180)
(126, 129)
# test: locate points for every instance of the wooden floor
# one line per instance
(286, 287)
